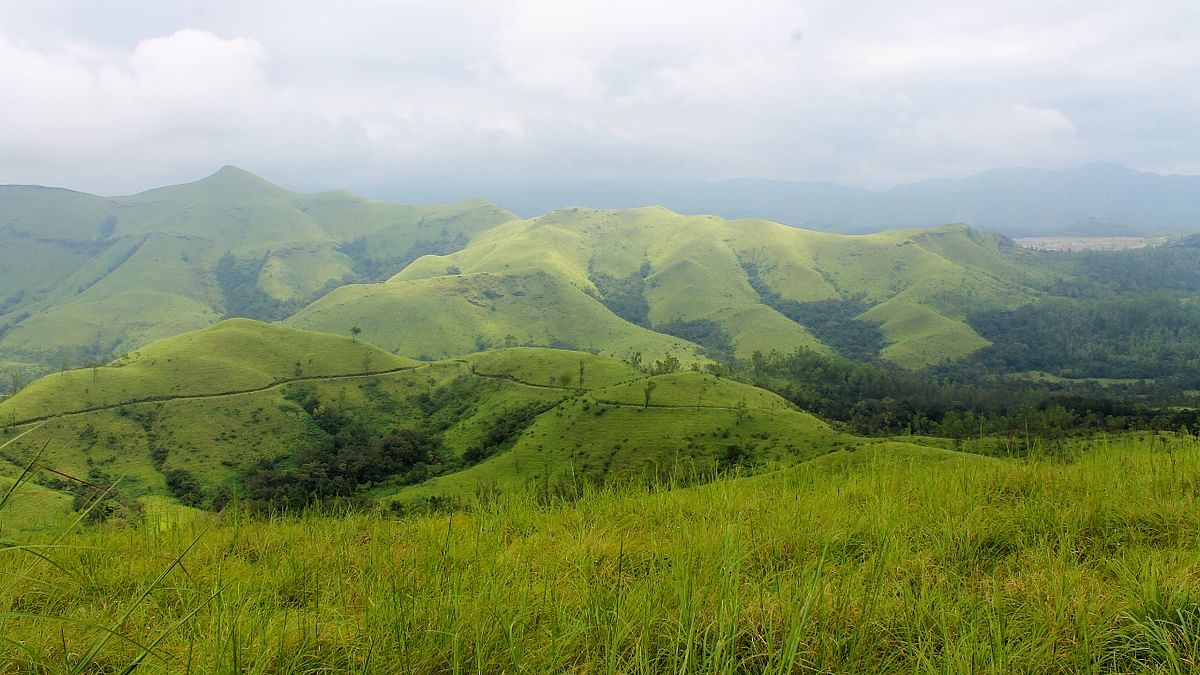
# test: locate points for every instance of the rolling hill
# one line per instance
(453, 315)
(88, 278)
(741, 279)
(247, 409)
(95, 277)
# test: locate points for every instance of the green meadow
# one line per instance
(895, 558)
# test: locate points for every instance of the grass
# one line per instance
(554, 367)
(604, 431)
(167, 407)
(892, 559)
(454, 315)
(235, 355)
(924, 280)
(917, 336)
(695, 423)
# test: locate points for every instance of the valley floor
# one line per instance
(896, 558)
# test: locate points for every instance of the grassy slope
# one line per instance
(452, 315)
(927, 279)
(895, 559)
(552, 367)
(601, 431)
(690, 424)
(234, 355)
(86, 274)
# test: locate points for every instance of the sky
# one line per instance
(118, 96)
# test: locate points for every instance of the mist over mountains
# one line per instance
(1099, 198)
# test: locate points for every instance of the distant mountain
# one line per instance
(735, 287)
(1096, 198)
(85, 278)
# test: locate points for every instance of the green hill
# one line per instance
(247, 408)
(689, 425)
(234, 355)
(751, 279)
(451, 315)
(87, 277)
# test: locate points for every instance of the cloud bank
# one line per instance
(116, 97)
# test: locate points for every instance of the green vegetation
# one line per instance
(892, 559)
(704, 332)
(979, 412)
(835, 321)
(86, 278)
(625, 441)
(753, 283)
(625, 296)
(653, 428)
(1113, 336)
(234, 356)
(454, 315)
(284, 418)
(1174, 268)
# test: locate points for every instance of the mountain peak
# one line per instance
(230, 174)
(228, 183)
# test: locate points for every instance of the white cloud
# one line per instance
(369, 91)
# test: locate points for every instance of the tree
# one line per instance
(665, 366)
(647, 391)
(354, 333)
(581, 373)
(634, 360)
(16, 381)
(740, 411)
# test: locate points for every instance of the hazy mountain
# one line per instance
(1100, 198)
(87, 278)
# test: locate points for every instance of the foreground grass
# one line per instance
(896, 558)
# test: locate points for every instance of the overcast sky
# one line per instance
(118, 96)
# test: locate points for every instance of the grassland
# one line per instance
(234, 356)
(87, 277)
(923, 282)
(454, 315)
(214, 402)
(896, 558)
(690, 422)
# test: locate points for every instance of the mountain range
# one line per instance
(1100, 198)
(87, 278)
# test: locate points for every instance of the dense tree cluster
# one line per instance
(243, 298)
(1174, 269)
(369, 267)
(875, 399)
(346, 459)
(624, 296)
(704, 332)
(1113, 336)
(832, 321)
